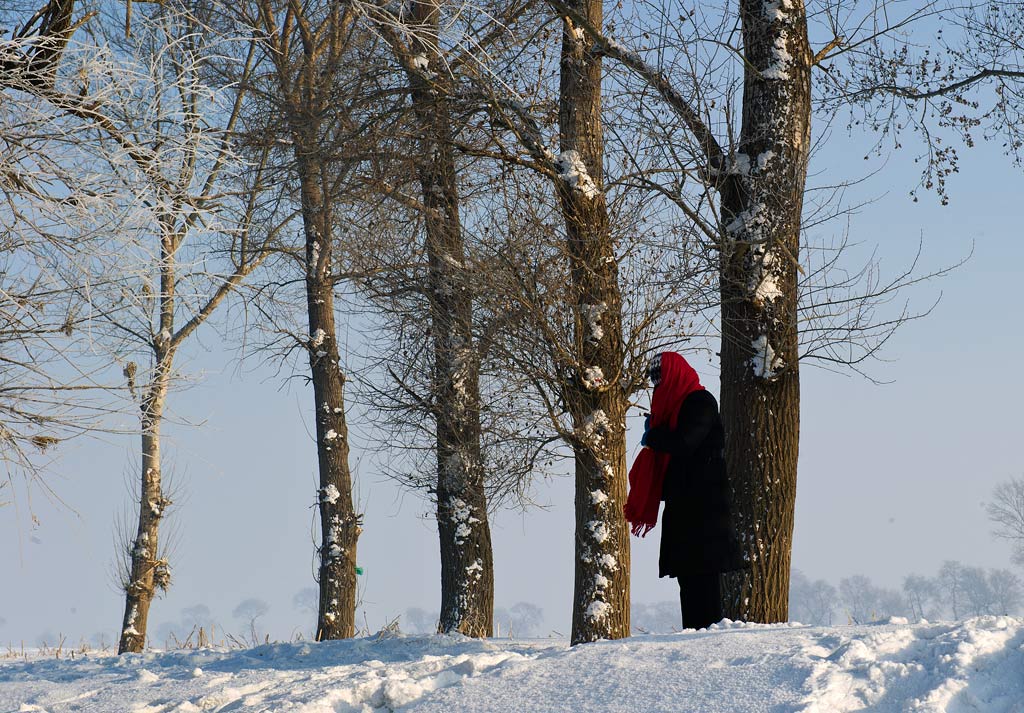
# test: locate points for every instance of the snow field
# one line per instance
(972, 666)
(367, 674)
(975, 665)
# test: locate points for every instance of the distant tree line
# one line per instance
(956, 591)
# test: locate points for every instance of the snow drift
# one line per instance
(975, 665)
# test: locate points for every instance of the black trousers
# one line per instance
(700, 598)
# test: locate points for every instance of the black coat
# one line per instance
(697, 531)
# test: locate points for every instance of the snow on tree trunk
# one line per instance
(147, 572)
(467, 561)
(340, 525)
(761, 205)
(596, 402)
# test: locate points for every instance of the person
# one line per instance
(682, 462)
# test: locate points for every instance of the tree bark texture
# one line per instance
(340, 525)
(467, 560)
(594, 397)
(761, 206)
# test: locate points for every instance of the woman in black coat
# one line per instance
(698, 538)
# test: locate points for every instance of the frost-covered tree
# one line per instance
(972, 591)
(192, 628)
(655, 618)
(53, 209)
(922, 596)
(596, 400)
(420, 621)
(978, 596)
(521, 620)
(993, 592)
(811, 602)
(306, 601)
(183, 243)
(952, 582)
(583, 392)
(559, 270)
(864, 602)
(50, 393)
(1007, 592)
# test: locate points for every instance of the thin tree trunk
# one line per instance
(760, 392)
(146, 571)
(595, 399)
(340, 525)
(467, 560)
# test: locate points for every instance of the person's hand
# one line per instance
(658, 438)
(647, 429)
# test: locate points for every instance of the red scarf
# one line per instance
(678, 380)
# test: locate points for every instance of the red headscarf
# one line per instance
(678, 380)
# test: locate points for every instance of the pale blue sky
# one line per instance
(892, 478)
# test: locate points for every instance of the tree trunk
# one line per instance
(594, 397)
(467, 561)
(761, 206)
(340, 525)
(146, 571)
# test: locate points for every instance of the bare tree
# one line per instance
(1006, 513)
(248, 611)
(317, 97)
(952, 582)
(521, 620)
(950, 72)
(571, 348)
(467, 560)
(597, 403)
(159, 165)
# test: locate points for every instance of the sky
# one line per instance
(892, 478)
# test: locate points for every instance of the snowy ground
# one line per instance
(977, 665)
